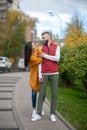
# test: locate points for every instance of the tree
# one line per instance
(12, 34)
(75, 34)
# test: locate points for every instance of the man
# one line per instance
(50, 72)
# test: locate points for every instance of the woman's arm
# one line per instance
(52, 58)
(35, 60)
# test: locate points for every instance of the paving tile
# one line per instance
(5, 95)
(7, 121)
(5, 105)
(6, 85)
(7, 82)
(6, 89)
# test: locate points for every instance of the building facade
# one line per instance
(14, 4)
(3, 9)
(5, 5)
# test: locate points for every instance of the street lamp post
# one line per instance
(59, 19)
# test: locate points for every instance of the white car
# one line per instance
(5, 64)
(21, 66)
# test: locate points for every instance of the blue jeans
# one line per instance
(34, 97)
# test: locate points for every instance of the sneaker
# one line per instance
(37, 117)
(34, 113)
(42, 112)
(52, 117)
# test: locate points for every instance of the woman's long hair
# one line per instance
(27, 52)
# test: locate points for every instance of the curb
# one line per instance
(15, 113)
(61, 118)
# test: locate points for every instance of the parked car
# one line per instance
(5, 64)
(21, 66)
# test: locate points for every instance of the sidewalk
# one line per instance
(24, 109)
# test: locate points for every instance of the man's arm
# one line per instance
(52, 58)
(39, 70)
(39, 73)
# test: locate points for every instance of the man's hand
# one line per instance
(40, 79)
(41, 55)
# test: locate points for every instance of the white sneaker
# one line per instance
(37, 117)
(42, 112)
(52, 117)
(34, 113)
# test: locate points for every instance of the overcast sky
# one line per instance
(62, 9)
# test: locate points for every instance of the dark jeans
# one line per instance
(34, 98)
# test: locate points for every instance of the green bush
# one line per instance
(73, 65)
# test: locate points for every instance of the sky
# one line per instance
(62, 13)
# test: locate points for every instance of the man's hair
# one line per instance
(46, 32)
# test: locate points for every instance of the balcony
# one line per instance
(3, 8)
(3, 15)
(3, 1)
(10, 1)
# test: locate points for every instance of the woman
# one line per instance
(31, 58)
